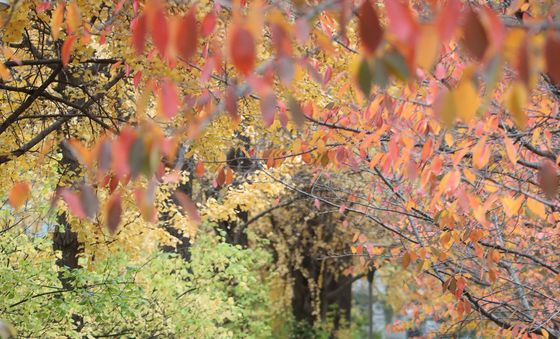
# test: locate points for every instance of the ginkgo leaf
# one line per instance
(369, 27)
(548, 178)
(56, 20)
(66, 49)
(188, 206)
(242, 49)
(19, 193)
(114, 212)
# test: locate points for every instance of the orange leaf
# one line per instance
(19, 194)
(67, 49)
(56, 20)
(188, 206)
(242, 50)
(229, 176)
(4, 72)
(481, 154)
(73, 18)
(370, 29)
(199, 169)
(405, 260)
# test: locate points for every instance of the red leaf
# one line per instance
(548, 178)
(242, 50)
(280, 40)
(139, 34)
(114, 212)
(475, 38)
(221, 177)
(67, 49)
(447, 22)
(121, 149)
(187, 38)
(169, 99)
(401, 21)
(268, 109)
(552, 51)
(88, 200)
(230, 103)
(19, 194)
(188, 206)
(370, 29)
(160, 31)
(208, 24)
(73, 201)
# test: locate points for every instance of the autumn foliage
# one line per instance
(430, 128)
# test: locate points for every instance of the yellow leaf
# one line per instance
(405, 260)
(510, 150)
(515, 101)
(466, 100)
(447, 109)
(536, 207)
(471, 177)
(511, 205)
(429, 41)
